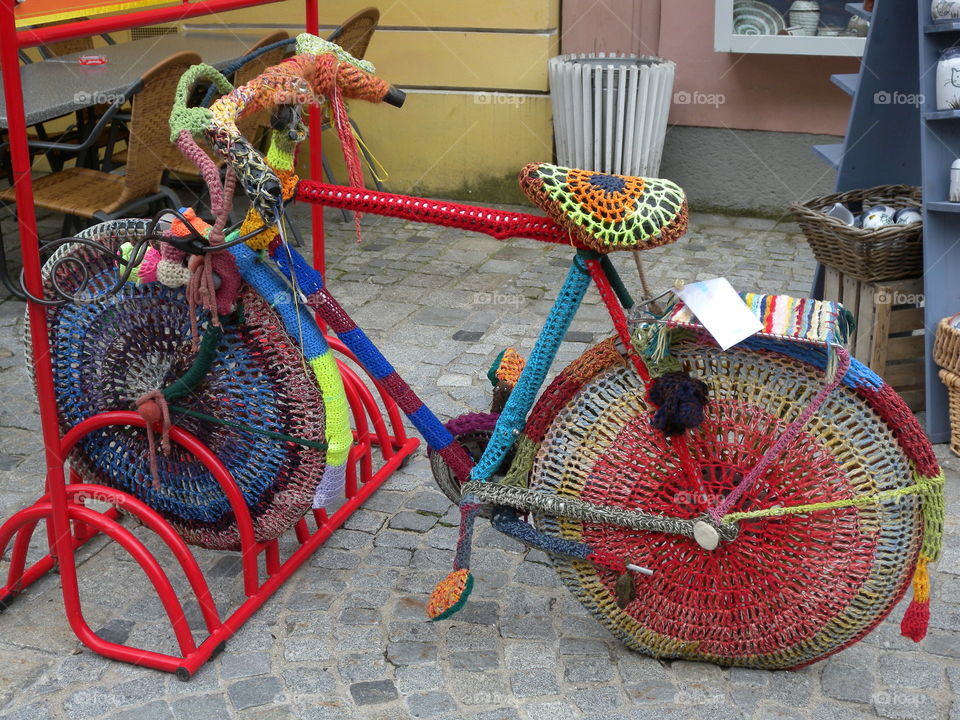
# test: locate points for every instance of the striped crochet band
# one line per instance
(820, 322)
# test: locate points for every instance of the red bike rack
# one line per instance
(380, 439)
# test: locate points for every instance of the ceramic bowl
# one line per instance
(908, 216)
(877, 217)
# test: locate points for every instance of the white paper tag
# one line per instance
(720, 310)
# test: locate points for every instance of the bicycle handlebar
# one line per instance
(319, 70)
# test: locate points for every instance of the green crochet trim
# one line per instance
(930, 490)
(524, 451)
(492, 372)
(313, 45)
(196, 119)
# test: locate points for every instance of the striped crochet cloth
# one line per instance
(820, 322)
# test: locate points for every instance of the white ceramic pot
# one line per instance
(805, 17)
(945, 10)
(908, 216)
(877, 217)
(955, 181)
(948, 80)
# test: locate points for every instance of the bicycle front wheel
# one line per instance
(790, 589)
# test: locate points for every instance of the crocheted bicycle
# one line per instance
(765, 506)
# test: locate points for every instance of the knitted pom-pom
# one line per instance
(679, 399)
(450, 594)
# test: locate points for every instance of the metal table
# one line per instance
(59, 87)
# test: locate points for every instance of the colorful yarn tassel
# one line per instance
(917, 618)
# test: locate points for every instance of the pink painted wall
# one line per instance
(787, 93)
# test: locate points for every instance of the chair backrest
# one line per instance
(250, 126)
(355, 32)
(149, 147)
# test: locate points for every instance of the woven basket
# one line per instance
(894, 252)
(946, 347)
(790, 590)
(952, 381)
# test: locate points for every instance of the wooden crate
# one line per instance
(889, 338)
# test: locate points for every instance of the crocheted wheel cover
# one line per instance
(608, 212)
(788, 590)
(106, 354)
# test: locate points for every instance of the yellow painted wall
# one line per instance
(476, 75)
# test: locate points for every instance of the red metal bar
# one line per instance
(249, 547)
(500, 224)
(137, 18)
(312, 24)
(152, 520)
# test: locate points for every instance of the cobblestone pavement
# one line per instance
(346, 637)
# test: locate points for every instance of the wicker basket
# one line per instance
(946, 347)
(946, 354)
(894, 252)
(952, 382)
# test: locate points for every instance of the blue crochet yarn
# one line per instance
(309, 279)
(296, 317)
(506, 521)
(433, 431)
(858, 374)
(367, 353)
(252, 459)
(541, 358)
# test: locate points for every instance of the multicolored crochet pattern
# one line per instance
(608, 212)
(782, 316)
(804, 576)
(253, 405)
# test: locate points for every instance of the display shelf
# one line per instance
(946, 26)
(944, 206)
(848, 82)
(940, 146)
(726, 40)
(941, 115)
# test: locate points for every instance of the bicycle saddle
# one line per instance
(608, 212)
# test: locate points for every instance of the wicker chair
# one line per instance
(94, 194)
(253, 127)
(355, 32)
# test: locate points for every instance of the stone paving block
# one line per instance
(90, 702)
(899, 671)
(533, 682)
(373, 693)
(431, 704)
(412, 521)
(363, 667)
(34, 711)
(156, 710)
(254, 692)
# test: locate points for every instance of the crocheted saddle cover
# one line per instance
(256, 408)
(608, 212)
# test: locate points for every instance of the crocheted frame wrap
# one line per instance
(608, 212)
(790, 589)
(107, 353)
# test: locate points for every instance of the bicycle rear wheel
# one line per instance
(788, 590)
